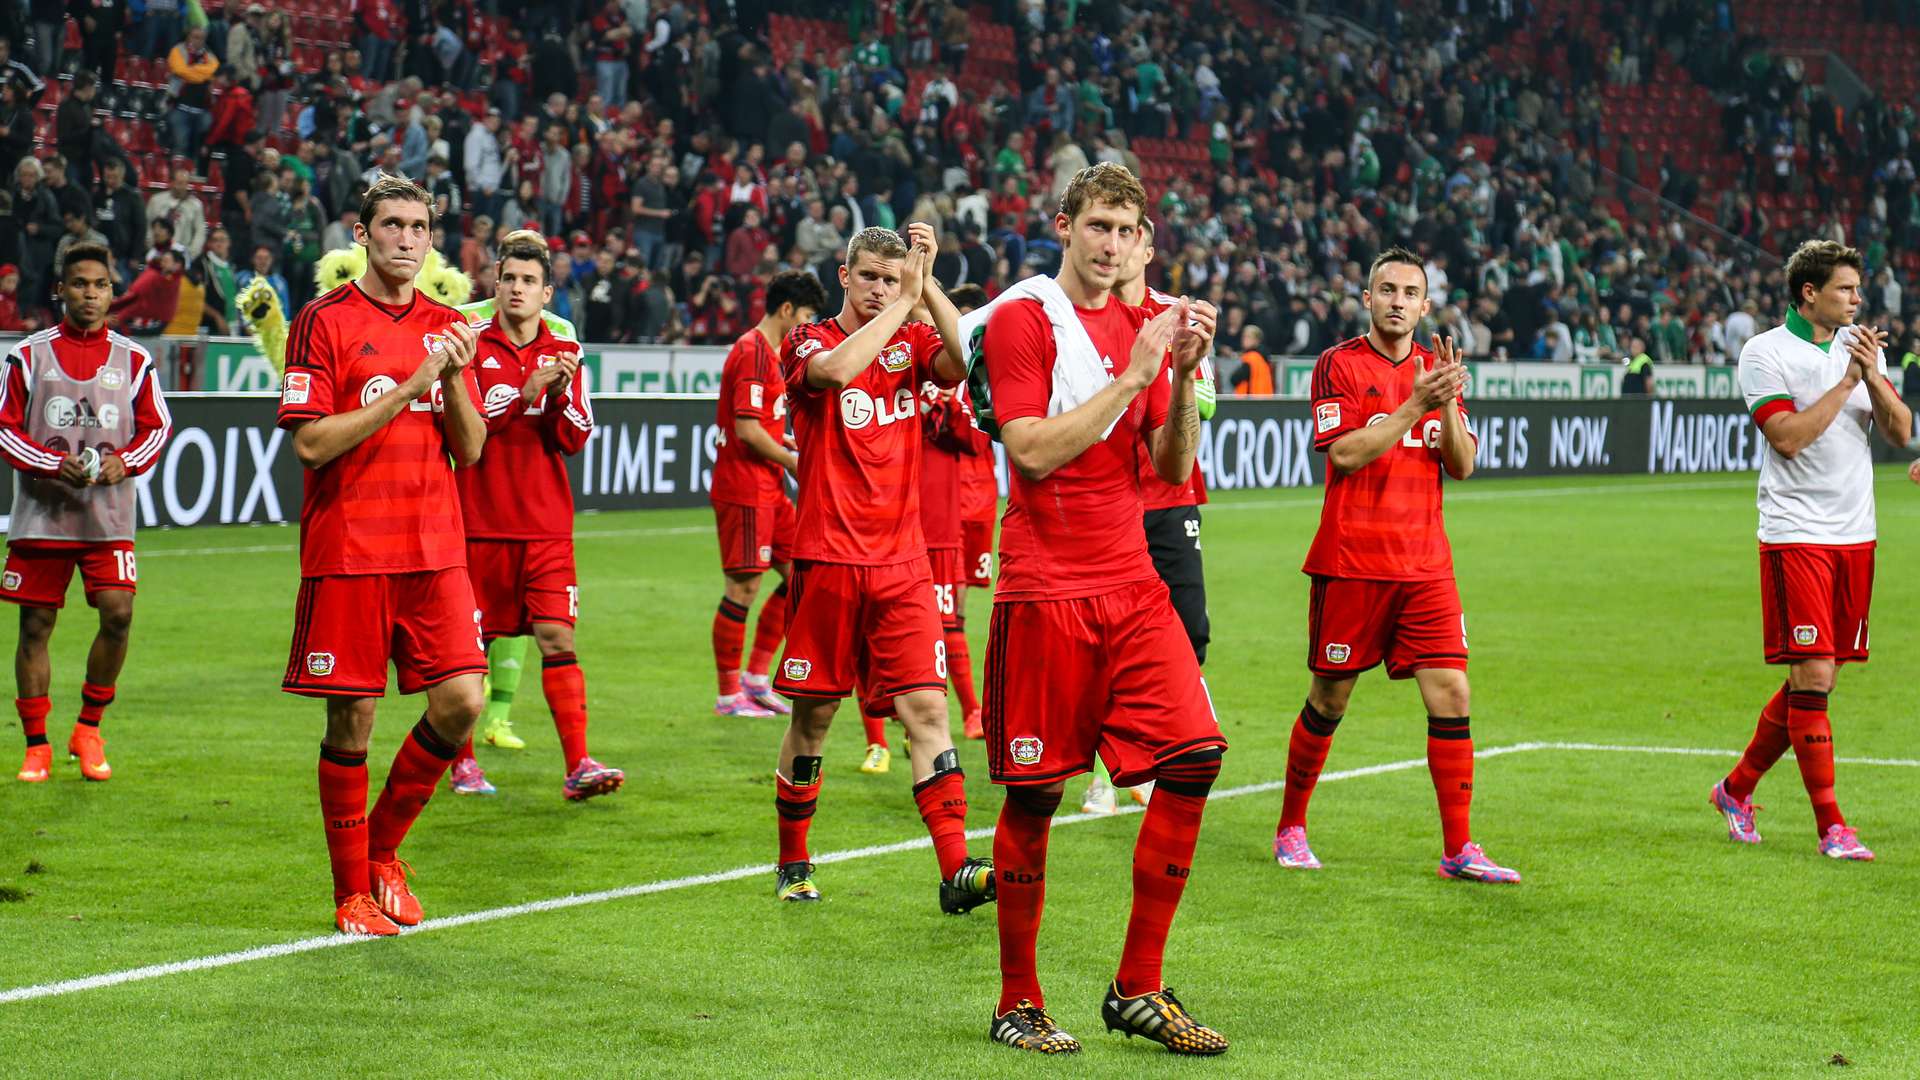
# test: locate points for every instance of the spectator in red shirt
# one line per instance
(379, 23)
(10, 318)
(150, 302)
(612, 53)
(746, 243)
(233, 113)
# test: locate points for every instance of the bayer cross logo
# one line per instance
(797, 669)
(319, 664)
(1805, 636)
(1337, 653)
(1026, 750)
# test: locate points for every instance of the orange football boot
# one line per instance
(389, 880)
(90, 749)
(359, 915)
(38, 765)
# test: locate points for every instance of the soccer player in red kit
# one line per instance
(1388, 415)
(950, 444)
(1085, 653)
(750, 505)
(80, 412)
(380, 396)
(862, 609)
(979, 505)
(518, 507)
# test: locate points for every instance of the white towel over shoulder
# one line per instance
(1078, 373)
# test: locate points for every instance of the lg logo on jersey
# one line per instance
(380, 385)
(858, 408)
(1429, 432)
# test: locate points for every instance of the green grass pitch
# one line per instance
(1614, 611)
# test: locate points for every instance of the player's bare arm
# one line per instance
(951, 365)
(1038, 446)
(1890, 414)
(1173, 443)
(1433, 387)
(1456, 441)
(1791, 432)
(755, 437)
(841, 364)
(319, 441)
(466, 428)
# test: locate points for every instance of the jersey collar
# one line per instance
(1802, 329)
(389, 310)
(70, 332)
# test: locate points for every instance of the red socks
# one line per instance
(417, 769)
(960, 669)
(768, 632)
(94, 700)
(795, 800)
(33, 718)
(1770, 740)
(943, 806)
(729, 633)
(1813, 747)
(1020, 858)
(343, 808)
(1162, 858)
(566, 687)
(1306, 756)
(873, 717)
(1450, 760)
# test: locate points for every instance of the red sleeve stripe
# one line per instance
(23, 453)
(146, 449)
(1766, 410)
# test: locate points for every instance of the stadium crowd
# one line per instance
(708, 155)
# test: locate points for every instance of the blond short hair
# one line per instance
(879, 242)
(1105, 184)
(529, 245)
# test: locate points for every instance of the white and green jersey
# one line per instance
(481, 310)
(1823, 494)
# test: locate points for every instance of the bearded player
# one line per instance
(381, 400)
(1085, 654)
(1816, 387)
(861, 608)
(1172, 514)
(504, 654)
(518, 506)
(72, 506)
(751, 510)
(1388, 414)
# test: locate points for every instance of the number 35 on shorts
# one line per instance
(943, 598)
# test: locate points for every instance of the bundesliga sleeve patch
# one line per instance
(1326, 416)
(298, 388)
(807, 348)
(756, 394)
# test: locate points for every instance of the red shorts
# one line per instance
(38, 576)
(754, 538)
(517, 583)
(346, 628)
(871, 625)
(949, 585)
(1813, 601)
(1112, 674)
(1354, 624)
(977, 544)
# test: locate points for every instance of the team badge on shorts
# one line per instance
(1804, 636)
(11, 580)
(766, 552)
(319, 664)
(1025, 750)
(1337, 654)
(797, 669)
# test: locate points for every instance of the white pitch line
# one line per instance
(305, 945)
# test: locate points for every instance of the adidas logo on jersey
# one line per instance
(64, 412)
(490, 362)
(859, 408)
(368, 349)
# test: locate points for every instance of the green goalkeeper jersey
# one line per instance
(481, 310)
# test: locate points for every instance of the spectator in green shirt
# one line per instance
(1012, 160)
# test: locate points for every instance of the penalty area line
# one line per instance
(561, 903)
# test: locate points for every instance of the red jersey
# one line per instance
(1382, 522)
(81, 354)
(1077, 532)
(949, 430)
(388, 505)
(860, 447)
(979, 487)
(519, 490)
(751, 388)
(1155, 493)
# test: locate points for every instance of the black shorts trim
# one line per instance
(439, 677)
(786, 689)
(1025, 780)
(910, 688)
(1177, 749)
(333, 691)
